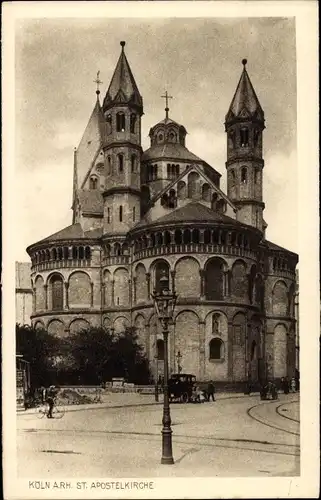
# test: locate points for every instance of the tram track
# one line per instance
(270, 424)
(286, 416)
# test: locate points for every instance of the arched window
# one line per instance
(172, 200)
(161, 276)
(214, 201)
(192, 185)
(257, 176)
(120, 122)
(232, 177)
(206, 192)
(109, 127)
(155, 172)
(121, 162)
(216, 349)
(195, 236)
(108, 215)
(81, 252)
(59, 253)
(66, 253)
(57, 285)
(93, 183)
(214, 279)
(244, 175)
(256, 136)
(87, 253)
(160, 350)
(134, 213)
(186, 236)
(221, 206)
(109, 165)
(74, 252)
(133, 118)
(133, 163)
(244, 136)
(120, 213)
(178, 237)
(160, 137)
(253, 350)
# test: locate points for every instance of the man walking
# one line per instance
(211, 391)
(50, 399)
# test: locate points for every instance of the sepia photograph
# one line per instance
(157, 255)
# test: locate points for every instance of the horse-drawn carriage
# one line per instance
(180, 387)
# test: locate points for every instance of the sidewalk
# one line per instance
(121, 400)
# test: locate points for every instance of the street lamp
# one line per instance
(179, 357)
(164, 302)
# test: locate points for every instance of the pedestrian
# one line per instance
(211, 391)
(51, 393)
(293, 384)
(285, 385)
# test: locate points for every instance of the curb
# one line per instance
(102, 406)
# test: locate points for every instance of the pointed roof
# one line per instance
(245, 102)
(122, 88)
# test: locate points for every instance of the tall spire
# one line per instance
(245, 103)
(122, 88)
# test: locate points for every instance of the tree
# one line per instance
(99, 355)
(40, 348)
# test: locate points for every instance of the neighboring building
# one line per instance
(23, 293)
(139, 215)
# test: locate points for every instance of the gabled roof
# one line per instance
(245, 102)
(122, 87)
(202, 174)
(192, 212)
(172, 151)
(91, 201)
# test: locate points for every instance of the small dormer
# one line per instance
(167, 132)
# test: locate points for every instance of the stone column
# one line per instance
(130, 297)
(172, 233)
(173, 280)
(148, 285)
(202, 235)
(103, 291)
(220, 237)
(112, 292)
(92, 294)
(134, 294)
(202, 291)
(202, 360)
(230, 351)
(46, 297)
(66, 301)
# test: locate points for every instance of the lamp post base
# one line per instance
(167, 453)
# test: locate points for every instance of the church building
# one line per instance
(139, 215)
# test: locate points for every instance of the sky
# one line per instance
(197, 60)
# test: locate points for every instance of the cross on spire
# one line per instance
(166, 97)
(98, 82)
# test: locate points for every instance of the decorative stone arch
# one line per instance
(193, 185)
(280, 298)
(239, 279)
(78, 324)
(291, 300)
(107, 323)
(187, 338)
(141, 330)
(55, 291)
(120, 324)
(280, 350)
(215, 271)
(187, 277)
(206, 192)
(121, 286)
(107, 288)
(56, 327)
(181, 190)
(140, 284)
(80, 289)
(157, 269)
(39, 324)
(239, 351)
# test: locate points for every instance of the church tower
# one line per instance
(244, 125)
(122, 109)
